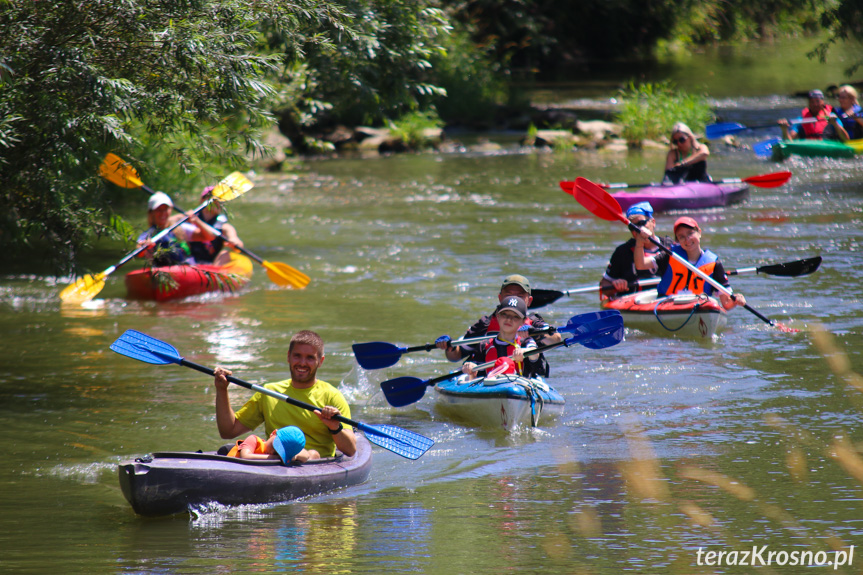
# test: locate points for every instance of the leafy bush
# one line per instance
(647, 111)
(411, 128)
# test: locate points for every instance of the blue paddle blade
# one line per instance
(576, 321)
(377, 354)
(144, 348)
(765, 149)
(400, 441)
(600, 334)
(404, 390)
(714, 131)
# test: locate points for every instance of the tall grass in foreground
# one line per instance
(687, 508)
(648, 111)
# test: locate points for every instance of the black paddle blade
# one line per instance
(404, 390)
(543, 297)
(400, 441)
(792, 269)
(144, 348)
(377, 354)
(601, 333)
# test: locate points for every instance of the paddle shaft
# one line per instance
(264, 390)
(471, 340)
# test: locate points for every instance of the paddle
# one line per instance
(714, 131)
(773, 180)
(86, 288)
(604, 331)
(117, 171)
(765, 149)
(600, 203)
(148, 349)
(381, 354)
(543, 297)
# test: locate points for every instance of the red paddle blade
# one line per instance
(597, 201)
(773, 180)
(568, 187)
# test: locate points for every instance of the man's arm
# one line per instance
(345, 440)
(226, 420)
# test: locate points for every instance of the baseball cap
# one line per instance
(518, 280)
(816, 94)
(686, 221)
(513, 303)
(641, 208)
(289, 441)
(159, 199)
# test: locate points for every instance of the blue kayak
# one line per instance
(502, 402)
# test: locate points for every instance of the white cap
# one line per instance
(159, 199)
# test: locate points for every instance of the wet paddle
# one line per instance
(120, 172)
(381, 354)
(715, 131)
(773, 180)
(600, 203)
(765, 149)
(87, 287)
(604, 331)
(543, 297)
(148, 349)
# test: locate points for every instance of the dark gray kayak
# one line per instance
(164, 483)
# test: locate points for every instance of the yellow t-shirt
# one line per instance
(275, 413)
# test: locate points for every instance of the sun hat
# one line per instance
(641, 208)
(816, 94)
(516, 279)
(159, 199)
(289, 441)
(512, 303)
(686, 221)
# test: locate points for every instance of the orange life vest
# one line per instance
(679, 278)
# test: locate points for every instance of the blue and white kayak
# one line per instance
(502, 402)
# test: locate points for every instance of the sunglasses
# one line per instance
(679, 140)
(640, 224)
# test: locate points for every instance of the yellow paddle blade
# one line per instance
(233, 186)
(84, 289)
(285, 275)
(118, 171)
(237, 264)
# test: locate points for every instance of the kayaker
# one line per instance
(847, 124)
(513, 285)
(215, 250)
(817, 109)
(620, 276)
(687, 159)
(172, 249)
(323, 433)
(509, 343)
(677, 277)
(287, 444)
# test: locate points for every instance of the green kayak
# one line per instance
(812, 149)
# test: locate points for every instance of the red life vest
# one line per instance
(815, 130)
(492, 353)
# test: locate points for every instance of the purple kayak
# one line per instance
(688, 196)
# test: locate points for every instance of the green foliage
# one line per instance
(411, 128)
(647, 111)
(82, 77)
(844, 21)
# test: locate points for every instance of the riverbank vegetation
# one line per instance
(189, 88)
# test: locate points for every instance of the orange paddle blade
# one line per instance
(118, 171)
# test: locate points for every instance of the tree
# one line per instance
(81, 77)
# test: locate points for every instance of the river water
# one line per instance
(666, 447)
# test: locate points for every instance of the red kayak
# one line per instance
(682, 315)
(176, 282)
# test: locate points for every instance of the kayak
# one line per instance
(682, 315)
(165, 483)
(175, 282)
(816, 149)
(503, 402)
(685, 196)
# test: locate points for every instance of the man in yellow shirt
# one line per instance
(323, 433)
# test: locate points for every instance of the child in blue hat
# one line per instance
(287, 444)
(621, 277)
